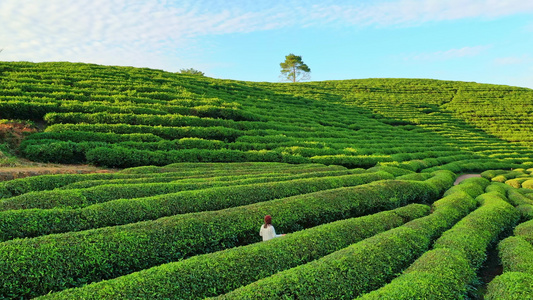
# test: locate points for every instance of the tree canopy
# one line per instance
(191, 71)
(294, 69)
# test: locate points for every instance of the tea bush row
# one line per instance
(186, 170)
(220, 272)
(447, 271)
(363, 266)
(36, 222)
(36, 266)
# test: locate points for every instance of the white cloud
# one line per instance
(412, 12)
(448, 54)
(117, 31)
(513, 60)
(140, 33)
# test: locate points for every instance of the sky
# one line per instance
(486, 41)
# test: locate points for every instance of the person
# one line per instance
(267, 230)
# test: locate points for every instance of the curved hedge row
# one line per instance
(251, 176)
(437, 274)
(446, 272)
(212, 133)
(121, 157)
(20, 186)
(220, 272)
(77, 198)
(36, 266)
(473, 235)
(36, 222)
(86, 136)
(510, 286)
(516, 255)
(525, 231)
(363, 266)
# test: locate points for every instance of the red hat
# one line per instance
(268, 219)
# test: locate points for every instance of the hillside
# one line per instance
(126, 117)
(359, 175)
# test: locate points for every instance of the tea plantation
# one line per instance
(359, 174)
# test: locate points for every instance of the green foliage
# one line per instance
(232, 268)
(525, 231)
(472, 235)
(46, 262)
(516, 255)
(151, 201)
(419, 125)
(191, 71)
(211, 130)
(510, 286)
(294, 69)
(447, 271)
(473, 186)
(360, 267)
(437, 274)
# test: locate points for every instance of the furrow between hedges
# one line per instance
(446, 271)
(516, 255)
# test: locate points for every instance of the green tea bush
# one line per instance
(437, 274)
(528, 184)
(123, 157)
(474, 186)
(115, 251)
(390, 169)
(498, 187)
(516, 198)
(35, 222)
(134, 119)
(231, 268)
(516, 182)
(210, 133)
(525, 231)
(516, 255)
(26, 110)
(510, 286)
(58, 152)
(446, 271)
(349, 161)
(499, 178)
(83, 136)
(472, 235)
(526, 212)
(364, 266)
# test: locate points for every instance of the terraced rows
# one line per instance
(349, 233)
(175, 224)
(126, 117)
(358, 173)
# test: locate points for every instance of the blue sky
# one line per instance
(486, 41)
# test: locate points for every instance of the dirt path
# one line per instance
(465, 176)
(9, 173)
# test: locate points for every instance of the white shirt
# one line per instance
(268, 233)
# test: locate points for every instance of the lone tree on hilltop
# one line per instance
(191, 71)
(294, 69)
